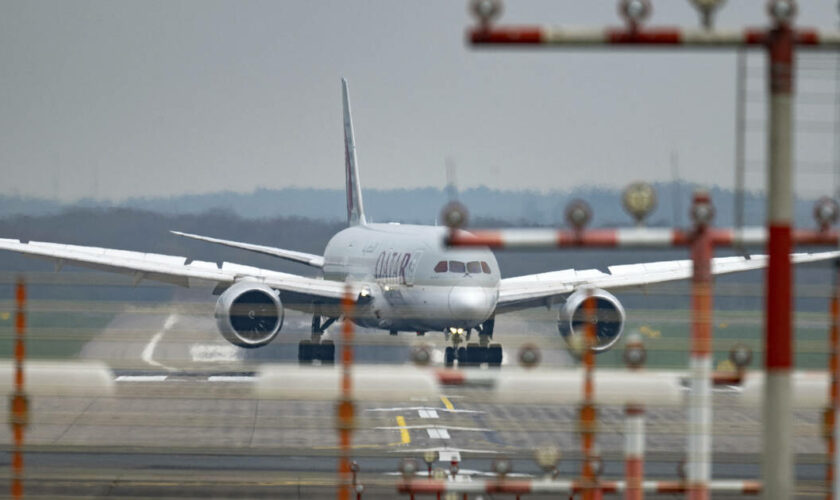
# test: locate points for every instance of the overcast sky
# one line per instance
(117, 99)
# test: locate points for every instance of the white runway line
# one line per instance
(449, 456)
(427, 413)
(438, 433)
(211, 353)
(230, 378)
(141, 378)
(149, 350)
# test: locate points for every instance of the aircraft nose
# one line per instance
(471, 303)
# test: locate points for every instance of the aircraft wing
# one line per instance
(180, 271)
(535, 290)
(302, 257)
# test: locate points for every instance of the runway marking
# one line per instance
(230, 378)
(438, 433)
(429, 426)
(141, 378)
(405, 437)
(447, 403)
(149, 350)
(446, 453)
(210, 353)
(427, 413)
(420, 408)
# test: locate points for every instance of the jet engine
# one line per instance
(249, 314)
(609, 318)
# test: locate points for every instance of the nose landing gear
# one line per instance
(473, 354)
(316, 348)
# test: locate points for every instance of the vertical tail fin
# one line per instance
(355, 208)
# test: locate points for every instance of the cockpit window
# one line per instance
(485, 267)
(474, 267)
(456, 267)
(441, 267)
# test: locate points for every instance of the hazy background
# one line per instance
(111, 100)
(122, 120)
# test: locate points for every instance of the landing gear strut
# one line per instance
(317, 349)
(474, 353)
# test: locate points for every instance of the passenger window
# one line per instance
(485, 267)
(473, 267)
(456, 267)
(440, 267)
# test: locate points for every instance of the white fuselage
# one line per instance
(415, 283)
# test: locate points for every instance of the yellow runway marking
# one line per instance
(447, 403)
(404, 436)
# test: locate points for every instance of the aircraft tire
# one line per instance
(327, 352)
(449, 357)
(494, 355)
(475, 354)
(462, 357)
(306, 351)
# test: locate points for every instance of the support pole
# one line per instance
(19, 404)
(588, 412)
(634, 451)
(698, 473)
(345, 409)
(740, 140)
(778, 415)
(832, 462)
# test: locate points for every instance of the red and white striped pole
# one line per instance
(346, 409)
(830, 422)
(534, 239)
(634, 451)
(19, 404)
(778, 345)
(588, 412)
(698, 466)
(561, 486)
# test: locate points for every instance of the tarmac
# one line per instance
(184, 423)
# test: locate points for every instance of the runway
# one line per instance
(184, 423)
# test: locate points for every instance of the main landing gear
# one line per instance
(474, 353)
(316, 348)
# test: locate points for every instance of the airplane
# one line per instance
(402, 278)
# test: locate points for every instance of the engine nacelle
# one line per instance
(609, 318)
(249, 314)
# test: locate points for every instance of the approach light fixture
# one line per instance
(502, 467)
(635, 12)
(826, 212)
(408, 468)
(421, 355)
(455, 215)
(578, 214)
(529, 356)
(740, 355)
(547, 458)
(453, 469)
(635, 354)
(596, 463)
(782, 11)
(486, 11)
(707, 10)
(639, 200)
(702, 211)
(430, 457)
